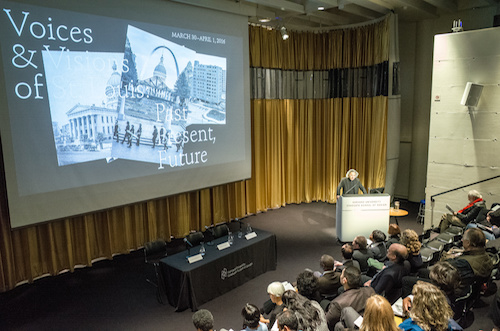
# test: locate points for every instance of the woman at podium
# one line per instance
(350, 184)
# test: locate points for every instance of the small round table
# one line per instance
(397, 213)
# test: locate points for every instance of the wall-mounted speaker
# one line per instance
(471, 95)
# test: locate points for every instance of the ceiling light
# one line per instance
(264, 20)
(321, 8)
(284, 34)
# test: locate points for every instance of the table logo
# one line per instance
(225, 273)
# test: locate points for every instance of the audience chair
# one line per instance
(466, 302)
(154, 251)
(448, 238)
(455, 230)
(424, 237)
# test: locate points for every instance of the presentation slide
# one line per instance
(107, 105)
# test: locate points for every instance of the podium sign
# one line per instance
(361, 214)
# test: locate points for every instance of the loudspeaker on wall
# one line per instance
(471, 95)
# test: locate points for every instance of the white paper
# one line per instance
(222, 246)
(195, 258)
(251, 235)
(358, 321)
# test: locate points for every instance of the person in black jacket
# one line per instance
(350, 184)
(465, 215)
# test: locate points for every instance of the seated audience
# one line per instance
(465, 215)
(203, 320)
(251, 318)
(429, 311)
(361, 253)
(409, 239)
(347, 259)
(377, 246)
(394, 235)
(490, 225)
(444, 276)
(353, 296)
(287, 321)
(329, 279)
(275, 291)
(309, 313)
(472, 262)
(481, 217)
(378, 316)
(308, 285)
(388, 281)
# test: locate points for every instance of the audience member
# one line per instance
(481, 217)
(472, 261)
(203, 320)
(329, 279)
(490, 225)
(409, 239)
(307, 285)
(465, 215)
(388, 281)
(353, 296)
(429, 311)
(377, 246)
(444, 276)
(251, 318)
(309, 313)
(378, 316)
(275, 291)
(287, 321)
(394, 234)
(347, 259)
(361, 253)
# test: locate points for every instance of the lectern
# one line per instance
(361, 214)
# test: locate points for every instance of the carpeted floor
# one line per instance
(113, 295)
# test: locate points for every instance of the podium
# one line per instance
(360, 214)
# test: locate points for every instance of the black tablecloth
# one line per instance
(191, 285)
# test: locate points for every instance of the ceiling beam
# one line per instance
(360, 11)
(230, 7)
(421, 6)
(332, 19)
(371, 5)
(450, 6)
(281, 5)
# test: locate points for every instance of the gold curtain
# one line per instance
(300, 151)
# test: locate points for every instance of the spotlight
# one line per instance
(284, 34)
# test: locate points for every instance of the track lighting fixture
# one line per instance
(284, 33)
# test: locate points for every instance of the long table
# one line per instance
(191, 285)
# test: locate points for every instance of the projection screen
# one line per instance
(107, 103)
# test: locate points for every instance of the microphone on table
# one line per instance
(212, 232)
(190, 245)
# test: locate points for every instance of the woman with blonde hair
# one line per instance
(429, 311)
(378, 315)
(409, 239)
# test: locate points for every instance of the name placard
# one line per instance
(223, 246)
(251, 235)
(195, 258)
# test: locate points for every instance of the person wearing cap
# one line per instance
(275, 291)
(350, 184)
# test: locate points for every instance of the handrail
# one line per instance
(458, 188)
